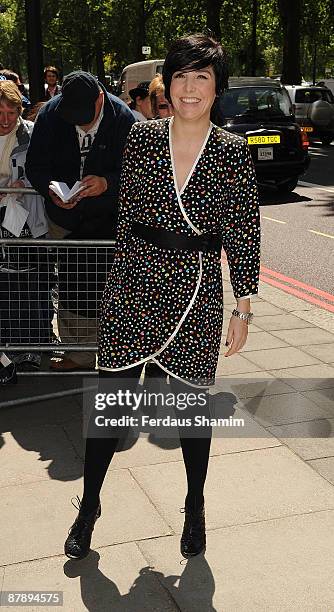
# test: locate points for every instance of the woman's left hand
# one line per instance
(236, 335)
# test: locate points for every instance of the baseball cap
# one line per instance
(142, 90)
(80, 91)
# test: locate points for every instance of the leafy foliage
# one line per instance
(105, 35)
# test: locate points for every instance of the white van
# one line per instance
(135, 73)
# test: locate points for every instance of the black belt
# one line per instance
(170, 240)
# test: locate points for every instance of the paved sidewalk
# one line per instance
(269, 492)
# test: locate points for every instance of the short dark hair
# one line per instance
(195, 52)
(10, 75)
(52, 69)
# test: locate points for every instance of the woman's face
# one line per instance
(164, 109)
(8, 118)
(193, 93)
(144, 106)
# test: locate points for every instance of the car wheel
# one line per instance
(288, 185)
(326, 140)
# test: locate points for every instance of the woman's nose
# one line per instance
(189, 83)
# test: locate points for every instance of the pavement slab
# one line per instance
(290, 303)
(127, 515)
(318, 317)
(298, 337)
(284, 564)
(37, 453)
(253, 384)
(324, 398)
(241, 487)
(283, 321)
(282, 409)
(271, 359)
(325, 467)
(235, 364)
(39, 414)
(324, 352)
(97, 583)
(309, 440)
(262, 340)
(303, 378)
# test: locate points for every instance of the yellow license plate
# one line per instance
(306, 128)
(256, 140)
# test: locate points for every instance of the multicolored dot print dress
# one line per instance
(166, 305)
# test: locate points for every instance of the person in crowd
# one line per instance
(52, 87)
(188, 187)
(12, 76)
(80, 135)
(161, 108)
(141, 103)
(25, 314)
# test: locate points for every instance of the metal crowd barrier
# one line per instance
(50, 292)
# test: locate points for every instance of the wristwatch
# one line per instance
(245, 316)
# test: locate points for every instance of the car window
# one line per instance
(253, 100)
(308, 96)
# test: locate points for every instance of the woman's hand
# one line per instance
(236, 335)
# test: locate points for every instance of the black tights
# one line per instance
(100, 451)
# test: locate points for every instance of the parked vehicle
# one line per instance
(314, 110)
(136, 73)
(329, 83)
(260, 109)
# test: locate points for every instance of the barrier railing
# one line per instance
(50, 292)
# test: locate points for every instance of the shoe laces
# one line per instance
(78, 501)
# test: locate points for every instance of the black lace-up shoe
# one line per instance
(193, 539)
(77, 545)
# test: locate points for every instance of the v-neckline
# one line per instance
(192, 169)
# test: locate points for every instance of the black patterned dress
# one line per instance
(167, 305)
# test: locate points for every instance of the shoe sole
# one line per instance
(69, 556)
(190, 555)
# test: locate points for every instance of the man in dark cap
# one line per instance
(141, 101)
(79, 135)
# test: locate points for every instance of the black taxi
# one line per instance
(260, 110)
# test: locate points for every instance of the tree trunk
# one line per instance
(254, 41)
(290, 11)
(141, 24)
(101, 75)
(213, 8)
(35, 50)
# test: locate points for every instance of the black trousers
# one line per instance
(99, 451)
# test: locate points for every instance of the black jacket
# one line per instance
(54, 154)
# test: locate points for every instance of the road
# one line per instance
(298, 231)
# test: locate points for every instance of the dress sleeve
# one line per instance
(241, 223)
(128, 187)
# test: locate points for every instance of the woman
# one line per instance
(187, 187)
(161, 108)
(25, 315)
(51, 77)
(141, 103)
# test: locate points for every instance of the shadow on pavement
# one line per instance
(273, 197)
(194, 592)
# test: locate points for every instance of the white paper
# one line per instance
(15, 216)
(64, 192)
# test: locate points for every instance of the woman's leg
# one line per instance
(195, 451)
(100, 451)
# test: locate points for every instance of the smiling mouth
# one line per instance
(190, 100)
